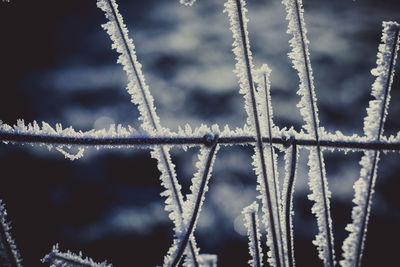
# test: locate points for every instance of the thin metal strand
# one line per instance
(349, 143)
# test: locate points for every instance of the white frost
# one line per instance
(61, 259)
(142, 97)
(6, 241)
(384, 72)
(193, 204)
(318, 183)
(291, 157)
(353, 245)
(35, 130)
(244, 70)
(244, 60)
(253, 232)
(300, 57)
(137, 86)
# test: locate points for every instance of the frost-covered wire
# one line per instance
(57, 258)
(142, 97)
(353, 245)
(308, 108)
(60, 138)
(125, 137)
(263, 95)
(137, 87)
(244, 70)
(9, 254)
(253, 232)
(194, 202)
(291, 155)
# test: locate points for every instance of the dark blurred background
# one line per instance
(57, 66)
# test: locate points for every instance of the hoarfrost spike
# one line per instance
(353, 245)
(142, 97)
(253, 232)
(308, 108)
(72, 138)
(263, 99)
(127, 137)
(194, 203)
(9, 255)
(69, 259)
(244, 70)
(137, 87)
(67, 155)
(291, 156)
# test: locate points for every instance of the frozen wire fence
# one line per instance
(335, 141)
(259, 132)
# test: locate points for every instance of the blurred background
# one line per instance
(57, 66)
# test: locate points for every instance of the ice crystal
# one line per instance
(68, 259)
(300, 56)
(253, 232)
(9, 254)
(267, 186)
(192, 206)
(377, 110)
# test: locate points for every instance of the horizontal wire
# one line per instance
(165, 140)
